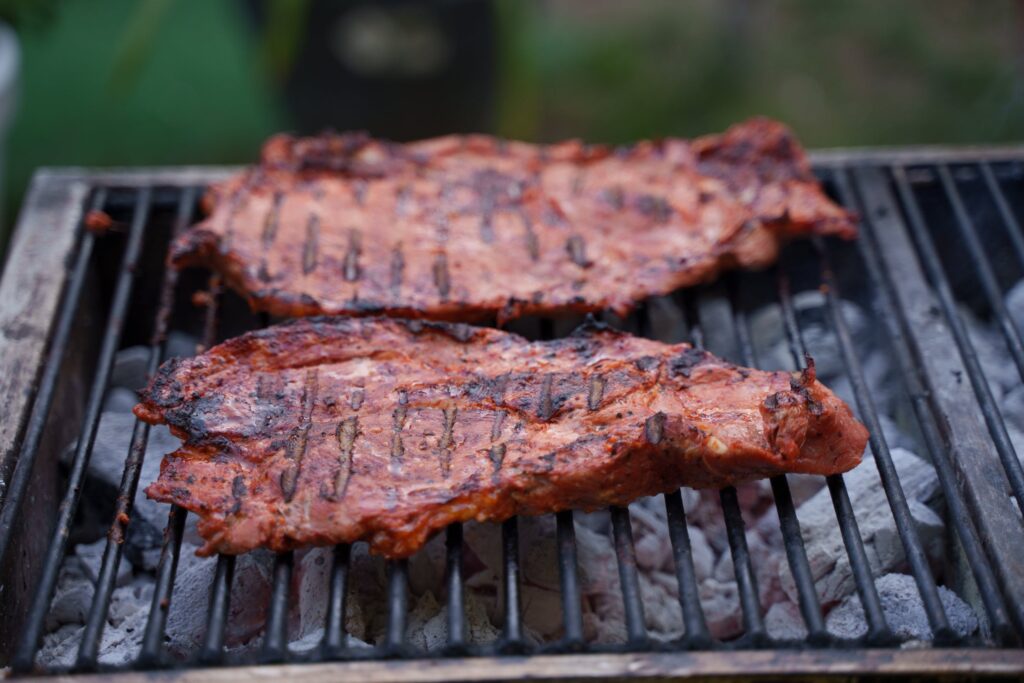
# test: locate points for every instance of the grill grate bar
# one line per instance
(398, 598)
(941, 458)
(686, 576)
(796, 554)
(456, 606)
(983, 268)
(167, 568)
(878, 629)
(746, 584)
(513, 630)
(625, 553)
(334, 628)
(275, 639)
(220, 603)
(1005, 212)
(572, 612)
(10, 498)
(913, 549)
(25, 654)
(933, 266)
(97, 617)
(96, 620)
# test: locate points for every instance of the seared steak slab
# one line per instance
(468, 228)
(333, 430)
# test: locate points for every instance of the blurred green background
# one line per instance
(118, 82)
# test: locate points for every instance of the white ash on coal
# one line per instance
(904, 611)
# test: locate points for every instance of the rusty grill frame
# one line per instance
(960, 424)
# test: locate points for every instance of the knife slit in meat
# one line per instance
(298, 441)
(355, 242)
(595, 392)
(445, 443)
(462, 423)
(347, 433)
(310, 249)
(398, 416)
(643, 220)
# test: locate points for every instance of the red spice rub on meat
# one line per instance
(333, 430)
(471, 227)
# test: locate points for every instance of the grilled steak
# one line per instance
(470, 228)
(330, 430)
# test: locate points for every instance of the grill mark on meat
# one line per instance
(272, 220)
(496, 426)
(269, 233)
(311, 247)
(402, 200)
(654, 428)
(654, 207)
(444, 444)
(238, 493)
(496, 453)
(532, 242)
(486, 227)
(357, 398)
(614, 197)
(359, 191)
(544, 405)
(577, 183)
(397, 270)
(577, 249)
(595, 392)
(298, 441)
(346, 434)
(355, 247)
(441, 277)
(397, 425)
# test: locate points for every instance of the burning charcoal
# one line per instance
(772, 343)
(427, 627)
(903, 609)
(70, 604)
(120, 644)
(60, 648)
(1015, 304)
(721, 604)
(250, 592)
(91, 557)
(825, 550)
(310, 585)
(992, 355)
(129, 371)
(113, 438)
(120, 400)
(1013, 409)
(783, 621)
(308, 642)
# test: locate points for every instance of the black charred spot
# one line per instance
(654, 207)
(646, 363)
(686, 360)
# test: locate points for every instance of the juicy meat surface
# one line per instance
(329, 430)
(472, 228)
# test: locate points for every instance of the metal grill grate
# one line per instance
(902, 267)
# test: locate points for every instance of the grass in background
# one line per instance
(196, 95)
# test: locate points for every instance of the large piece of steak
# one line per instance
(473, 228)
(331, 430)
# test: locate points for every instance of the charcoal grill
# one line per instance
(941, 231)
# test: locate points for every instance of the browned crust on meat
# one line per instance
(468, 228)
(333, 430)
